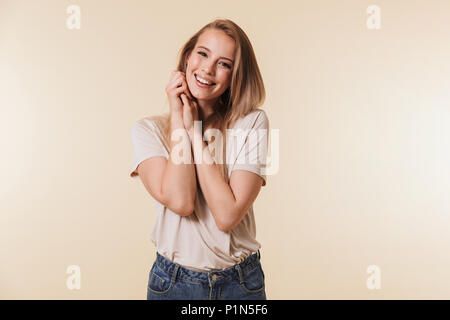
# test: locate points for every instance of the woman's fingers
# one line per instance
(176, 86)
(183, 81)
(177, 80)
(184, 99)
(181, 89)
(184, 88)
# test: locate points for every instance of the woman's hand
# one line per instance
(176, 86)
(190, 113)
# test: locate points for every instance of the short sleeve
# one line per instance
(253, 153)
(146, 144)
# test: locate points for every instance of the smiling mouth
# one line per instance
(203, 84)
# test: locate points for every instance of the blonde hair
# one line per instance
(245, 94)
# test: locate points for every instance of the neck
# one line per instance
(205, 109)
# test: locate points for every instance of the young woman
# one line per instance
(205, 228)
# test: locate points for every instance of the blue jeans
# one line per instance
(171, 281)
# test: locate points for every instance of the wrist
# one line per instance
(190, 132)
(176, 122)
(195, 133)
(197, 144)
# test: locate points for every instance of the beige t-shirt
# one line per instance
(195, 241)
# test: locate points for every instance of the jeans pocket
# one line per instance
(254, 280)
(159, 281)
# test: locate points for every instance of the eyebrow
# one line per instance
(210, 51)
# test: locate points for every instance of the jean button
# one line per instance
(214, 277)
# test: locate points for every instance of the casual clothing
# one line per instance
(195, 241)
(170, 281)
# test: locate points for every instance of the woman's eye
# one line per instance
(223, 63)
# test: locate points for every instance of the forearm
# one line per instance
(179, 184)
(217, 192)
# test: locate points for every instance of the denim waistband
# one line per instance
(176, 271)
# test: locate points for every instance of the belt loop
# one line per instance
(241, 276)
(259, 255)
(174, 273)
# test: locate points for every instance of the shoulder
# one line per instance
(142, 125)
(257, 119)
(147, 131)
(145, 128)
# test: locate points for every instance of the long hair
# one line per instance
(245, 94)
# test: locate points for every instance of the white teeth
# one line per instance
(202, 80)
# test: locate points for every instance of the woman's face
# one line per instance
(211, 60)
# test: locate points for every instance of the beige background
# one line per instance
(363, 115)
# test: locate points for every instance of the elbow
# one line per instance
(224, 226)
(182, 206)
(183, 209)
(229, 220)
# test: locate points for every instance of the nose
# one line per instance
(208, 67)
